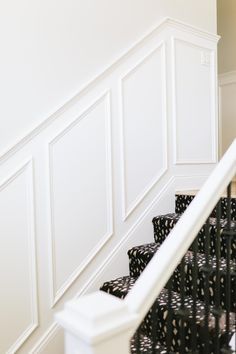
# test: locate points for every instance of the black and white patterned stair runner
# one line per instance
(139, 257)
(182, 201)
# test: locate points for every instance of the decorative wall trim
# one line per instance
(50, 333)
(107, 77)
(53, 329)
(128, 209)
(227, 78)
(185, 27)
(188, 180)
(27, 168)
(56, 294)
(126, 237)
(161, 25)
(214, 151)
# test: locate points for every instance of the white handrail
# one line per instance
(159, 270)
(102, 324)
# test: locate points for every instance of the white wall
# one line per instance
(76, 195)
(81, 189)
(50, 49)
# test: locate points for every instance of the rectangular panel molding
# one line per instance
(194, 103)
(144, 127)
(100, 167)
(81, 194)
(19, 314)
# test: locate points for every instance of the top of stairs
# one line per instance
(194, 191)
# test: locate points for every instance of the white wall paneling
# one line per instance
(18, 295)
(105, 164)
(143, 111)
(81, 193)
(133, 235)
(50, 50)
(51, 342)
(194, 102)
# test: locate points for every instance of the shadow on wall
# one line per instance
(226, 16)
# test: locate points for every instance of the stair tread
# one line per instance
(140, 256)
(121, 286)
(195, 191)
(163, 224)
(183, 200)
(212, 220)
(145, 345)
(147, 251)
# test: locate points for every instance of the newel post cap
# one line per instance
(97, 317)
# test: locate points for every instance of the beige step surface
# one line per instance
(194, 192)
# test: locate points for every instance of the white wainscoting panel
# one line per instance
(194, 103)
(144, 133)
(81, 198)
(52, 341)
(18, 295)
(105, 164)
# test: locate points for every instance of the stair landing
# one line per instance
(194, 191)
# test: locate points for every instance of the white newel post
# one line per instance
(98, 323)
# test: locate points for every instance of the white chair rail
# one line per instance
(102, 324)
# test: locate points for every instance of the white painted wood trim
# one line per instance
(45, 339)
(56, 294)
(127, 210)
(148, 286)
(214, 108)
(107, 329)
(38, 142)
(227, 78)
(54, 328)
(165, 23)
(27, 167)
(220, 121)
(88, 323)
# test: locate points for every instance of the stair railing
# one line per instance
(103, 324)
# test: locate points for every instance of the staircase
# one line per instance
(196, 311)
(180, 294)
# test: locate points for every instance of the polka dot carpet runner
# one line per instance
(194, 313)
